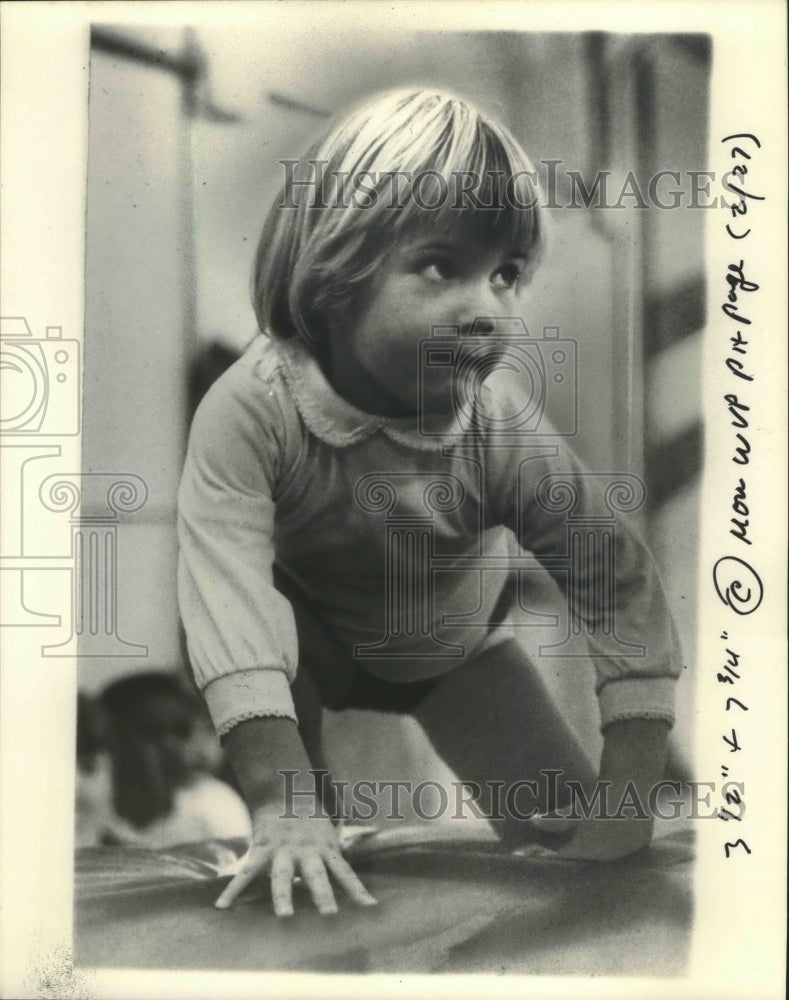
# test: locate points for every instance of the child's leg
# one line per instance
(493, 720)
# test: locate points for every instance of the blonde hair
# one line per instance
(379, 175)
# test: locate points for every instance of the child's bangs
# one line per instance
(504, 224)
(480, 187)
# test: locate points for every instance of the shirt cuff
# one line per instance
(637, 698)
(248, 694)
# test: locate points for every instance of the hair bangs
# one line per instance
(476, 181)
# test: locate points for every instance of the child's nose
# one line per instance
(480, 326)
(478, 310)
(479, 319)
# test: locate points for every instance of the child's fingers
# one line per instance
(314, 874)
(253, 866)
(282, 884)
(313, 867)
(349, 880)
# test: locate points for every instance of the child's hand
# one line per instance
(595, 838)
(306, 845)
(607, 840)
(302, 843)
(633, 761)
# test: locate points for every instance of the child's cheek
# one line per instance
(428, 297)
(440, 308)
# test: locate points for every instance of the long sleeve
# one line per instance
(576, 523)
(240, 630)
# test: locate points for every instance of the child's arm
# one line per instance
(633, 762)
(289, 837)
(629, 629)
(241, 632)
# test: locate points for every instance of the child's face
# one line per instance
(426, 282)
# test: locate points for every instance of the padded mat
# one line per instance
(447, 903)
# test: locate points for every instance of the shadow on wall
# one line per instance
(211, 361)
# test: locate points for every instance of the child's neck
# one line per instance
(357, 387)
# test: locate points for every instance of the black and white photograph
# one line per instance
(393, 448)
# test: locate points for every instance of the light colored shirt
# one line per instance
(280, 467)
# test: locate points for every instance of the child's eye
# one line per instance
(506, 276)
(438, 269)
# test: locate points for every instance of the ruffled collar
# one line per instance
(335, 421)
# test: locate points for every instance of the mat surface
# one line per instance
(445, 905)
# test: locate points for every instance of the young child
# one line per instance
(315, 462)
(163, 758)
